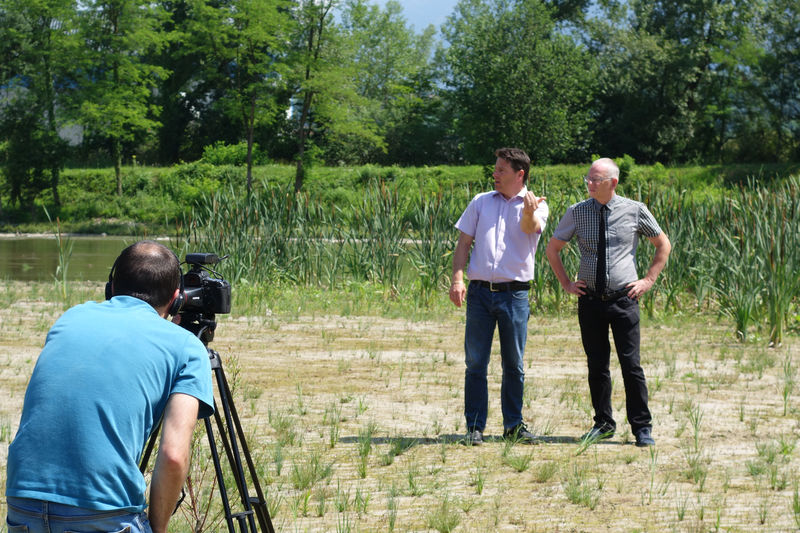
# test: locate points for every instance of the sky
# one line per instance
(420, 13)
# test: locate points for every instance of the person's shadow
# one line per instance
(406, 443)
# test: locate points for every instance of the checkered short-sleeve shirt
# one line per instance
(626, 220)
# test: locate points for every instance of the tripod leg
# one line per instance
(259, 502)
(252, 505)
(218, 470)
(229, 440)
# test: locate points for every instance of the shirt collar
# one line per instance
(611, 204)
(521, 194)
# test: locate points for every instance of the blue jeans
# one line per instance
(37, 516)
(509, 311)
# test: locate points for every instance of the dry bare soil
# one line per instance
(355, 423)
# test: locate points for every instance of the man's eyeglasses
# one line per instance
(595, 181)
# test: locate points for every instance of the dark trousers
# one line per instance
(622, 315)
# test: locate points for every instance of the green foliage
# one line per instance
(186, 184)
(626, 165)
(444, 518)
(368, 230)
(32, 156)
(386, 231)
(383, 60)
(36, 43)
(579, 489)
(349, 82)
(671, 77)
(517, 81)
(168, 193)
(220, 154)
(116, 81)
(772, 130)
(245, 41)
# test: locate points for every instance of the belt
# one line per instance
(609, 296)
(504, 286)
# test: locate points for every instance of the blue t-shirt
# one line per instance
(99, 387)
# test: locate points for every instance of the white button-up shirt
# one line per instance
(501, 250)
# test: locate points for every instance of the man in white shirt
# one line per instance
(502, 229)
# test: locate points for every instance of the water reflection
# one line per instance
(36, 258)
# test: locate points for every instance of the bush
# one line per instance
(185, 183)
(99, 181)
(626, 165)
(219, 154)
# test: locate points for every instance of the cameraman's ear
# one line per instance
(164, 312)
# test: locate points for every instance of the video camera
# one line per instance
(204, 296)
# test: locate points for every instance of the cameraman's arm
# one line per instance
(172, 462)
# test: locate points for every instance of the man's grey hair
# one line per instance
(608, 167)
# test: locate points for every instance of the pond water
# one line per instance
(36, 258)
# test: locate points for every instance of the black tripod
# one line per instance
(255, 515)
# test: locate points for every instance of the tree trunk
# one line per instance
(117, 154)
(55, 172)
(55, 169)
(299, 174)
(250, 127)
(301, 142)
(313, 46)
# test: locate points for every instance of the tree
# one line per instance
(181, 92)
(391, 69)
(419, 130)
(243, 45)
(31, 152)
(670, 76)
(35, 45)
(778, 78)
(314, 23)
(355, 82)
(117, 83)
(515, 81)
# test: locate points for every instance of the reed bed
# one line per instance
(739, 255)
(736, 255)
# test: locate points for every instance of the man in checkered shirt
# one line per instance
(608, 290)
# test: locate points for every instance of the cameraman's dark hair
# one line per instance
(517, 158)
(149, 271)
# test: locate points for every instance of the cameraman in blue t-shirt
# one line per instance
(108, 373)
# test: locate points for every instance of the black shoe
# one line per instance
(601, 432)
(643, 438)
(520, 434)
(474, 437)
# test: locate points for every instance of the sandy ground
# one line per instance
(314, 389)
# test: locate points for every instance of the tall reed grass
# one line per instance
(279, 236)
(737, 255)
(742, 252)
(64, 244)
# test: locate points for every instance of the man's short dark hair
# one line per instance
(517, 158)
(149, 271)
